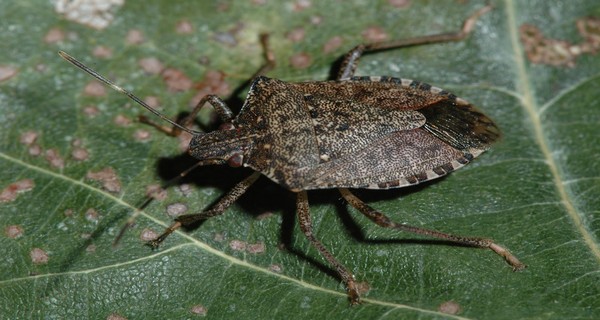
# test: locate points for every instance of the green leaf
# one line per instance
(536, 192)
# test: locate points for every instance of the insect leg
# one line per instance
(268, 55)
(218, 104)
(350, 61)
(383, 221)
(303, 210)
(225, 202)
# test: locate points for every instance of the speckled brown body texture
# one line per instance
(365, 132)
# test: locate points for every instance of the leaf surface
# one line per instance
(536, 192)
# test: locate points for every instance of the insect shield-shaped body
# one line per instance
(365, 132)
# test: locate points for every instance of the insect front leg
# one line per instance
(217, 103)
(225, 202)
(305, 221)
(350, 61)
(383, 221)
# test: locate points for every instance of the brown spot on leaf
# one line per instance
(185, 189)
(13, 231)
(589, 28)
(296, 35)
(28, 137)
(332, 44)
(90, 248)
(142, 135)
(54, 158)
(237, 245)
(115, 316)
(80, 154)
(38, 256)
(219, 237)
(134, 36)
(256, 248)
(275, 268)
(102, 52)
(148, 235)
(35, 150)
(374, 34)
(399, 3)
(55, 35)
(300, 60)
(543, 50)
(316, 20)
(264, 215)
(152, 101)
(213, 83)
(94, 89)
(95, 14)
(92, 215)
(121, 120)
(449, 307)
(363, 287)
(199, 310)
(7, 72)
(91, 111)
(155, 191)
(176, 80)
(108, 178)
(151, 65)
(176, 209)
(184, 27)
(300, 5)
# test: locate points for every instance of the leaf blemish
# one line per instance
(28, 137)
(237, 245)
(156, 192)
(102, 52)
(7, 72)
(94, 89)
(38, 256)
(184, 27)
(151, 65)
(91, 111)
(108, 178)
(142, 135)
(199, 310)
(449, 307)
(148, 235)
(92, 215)
(11, 191)
(176, 209)
(54, 159)
(13, 231)
(134, 36)
(256, 248)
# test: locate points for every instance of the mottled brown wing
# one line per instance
(399, 159)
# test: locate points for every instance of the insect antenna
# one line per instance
(139, 101)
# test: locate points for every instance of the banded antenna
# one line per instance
(109, 83)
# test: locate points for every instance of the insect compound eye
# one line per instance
(236, 160)
(227, 126)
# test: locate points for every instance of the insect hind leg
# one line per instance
(383, 221)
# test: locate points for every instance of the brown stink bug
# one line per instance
(353, 132)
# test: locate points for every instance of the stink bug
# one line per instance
(353, 132)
